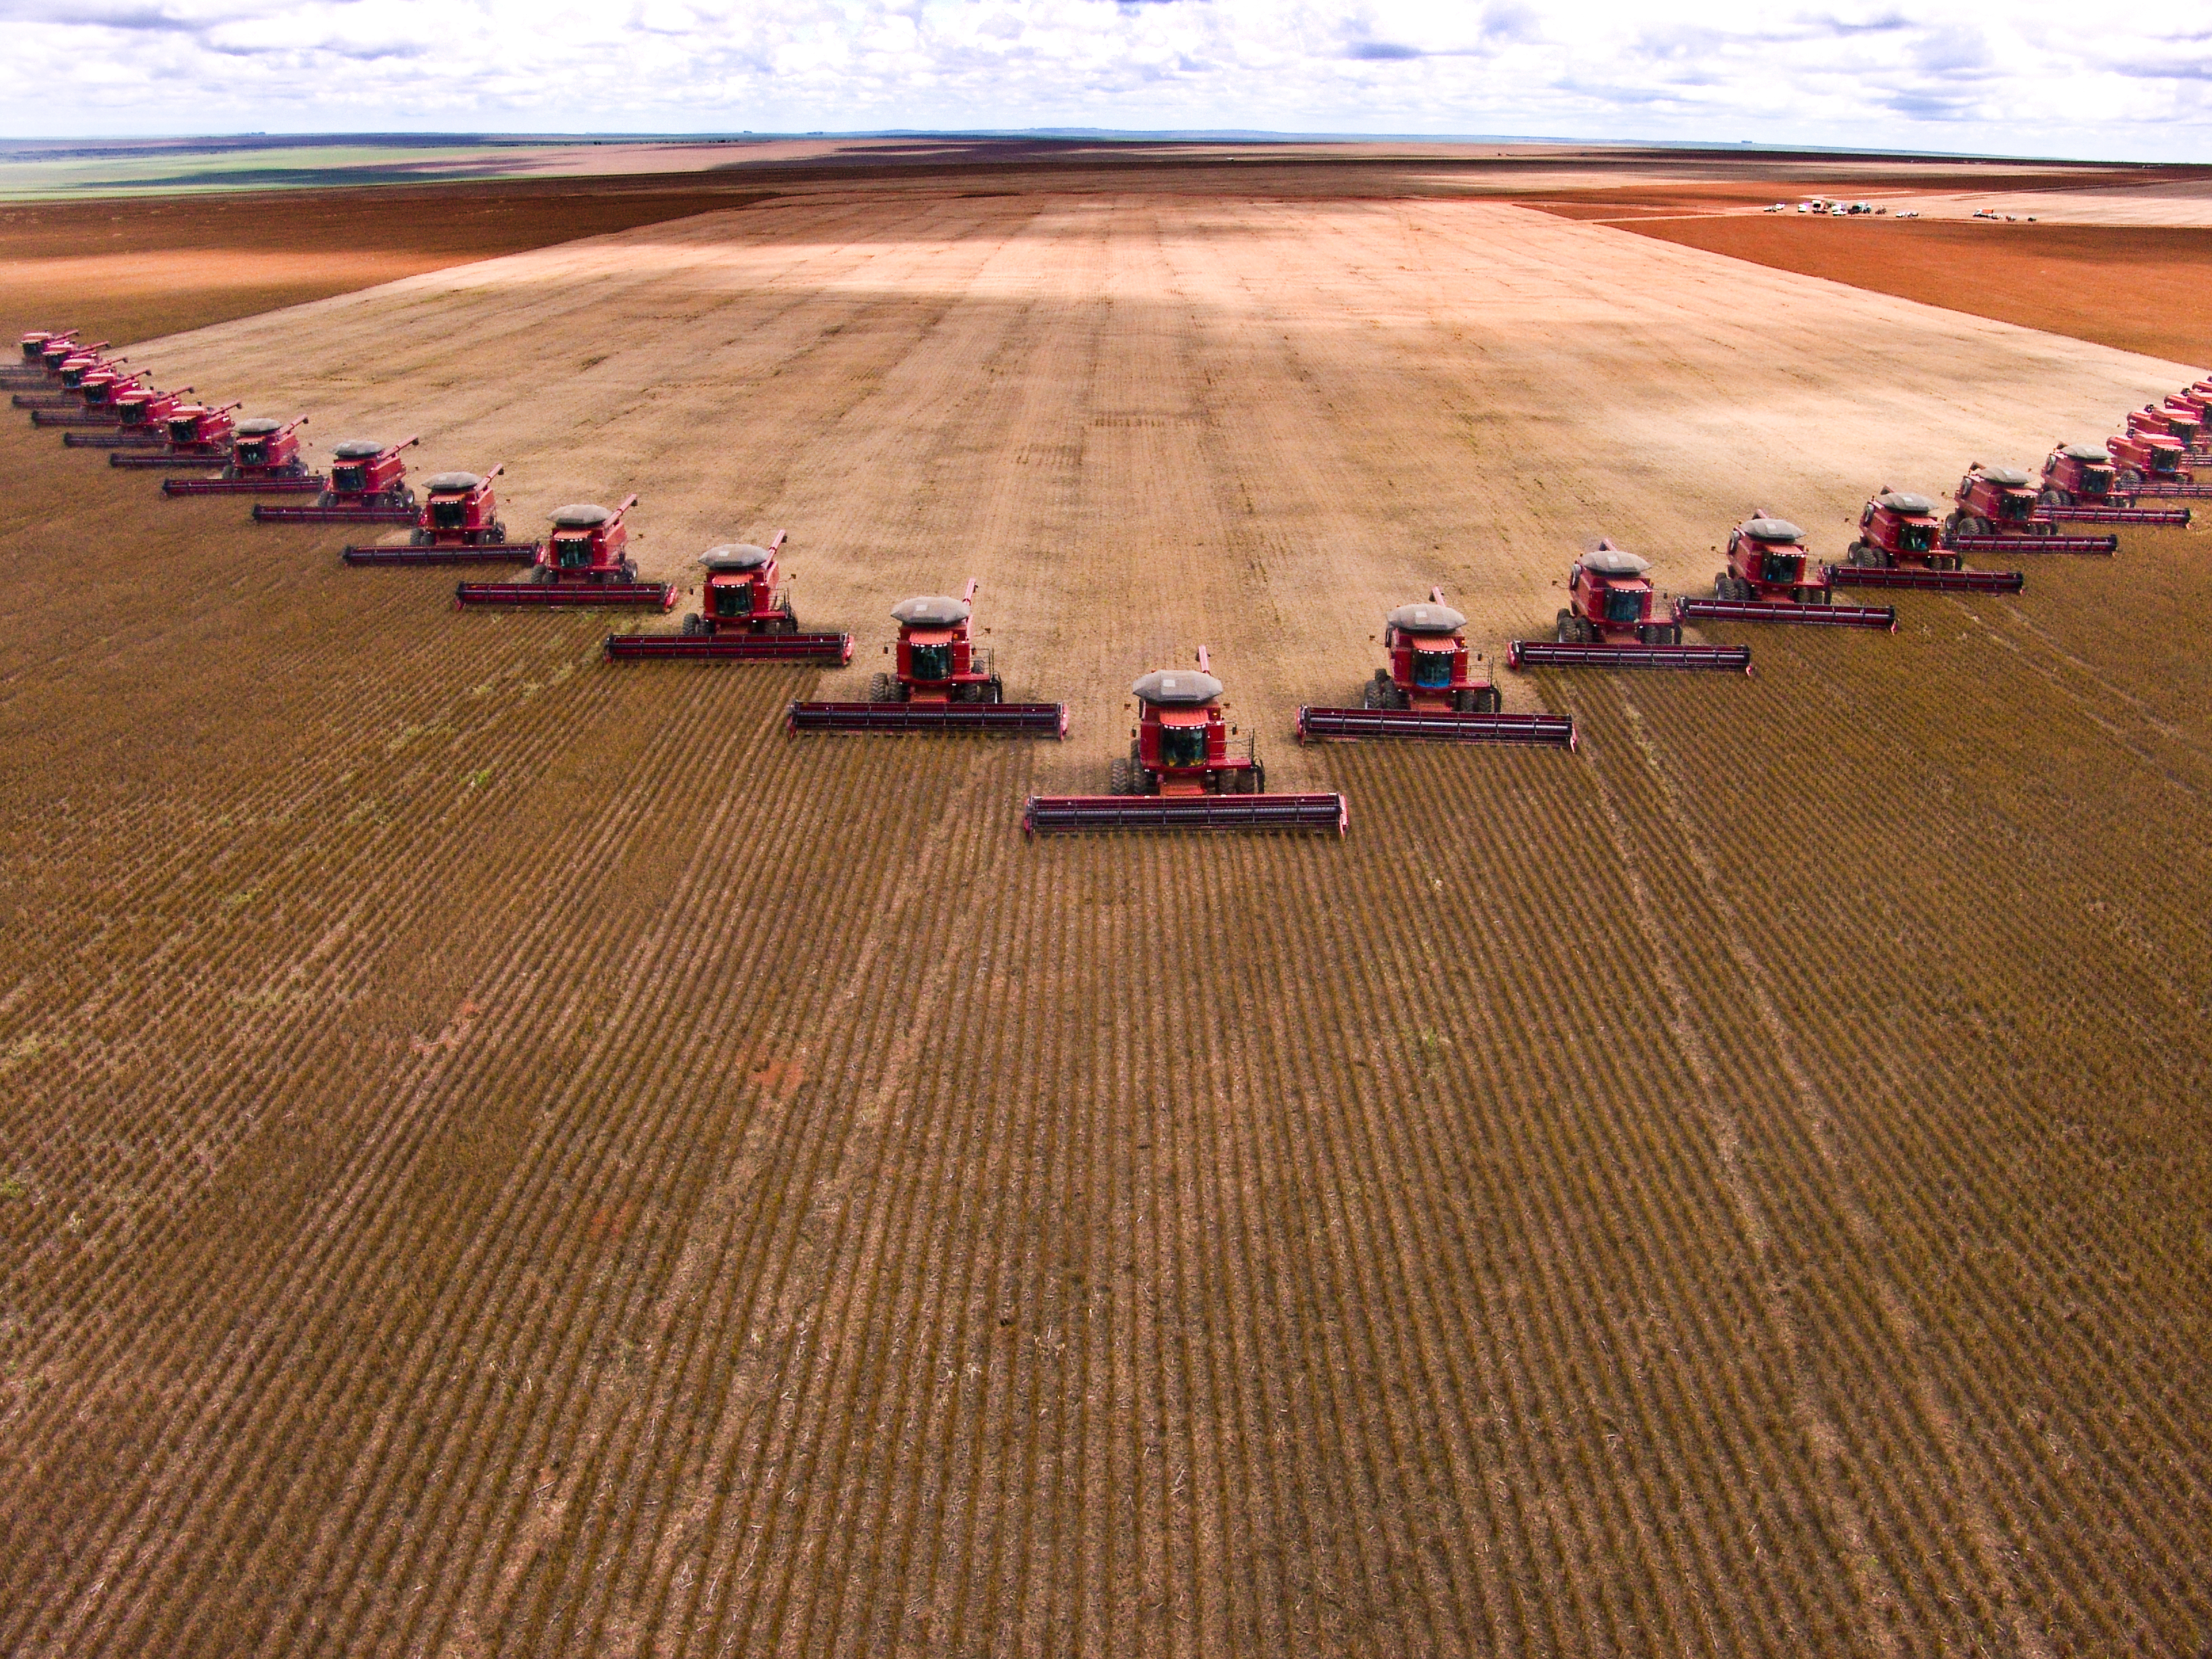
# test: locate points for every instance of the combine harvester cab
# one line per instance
(142, 417)
(1183, 773)
(585, 562)
(65, 377)
(744, 615)
(98, 395)
(942, 682)
(2153, 463)
(369, 485)
(1900, 545)
(458, 525)
(192, 433)
(1766, 580)
(2078, 488)
(1999, 511)
(1608, 623)
(264, 460)
(1430, 691)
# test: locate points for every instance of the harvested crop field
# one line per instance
(508, 1154)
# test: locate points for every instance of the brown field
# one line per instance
(2133, 289)
(503, 1154)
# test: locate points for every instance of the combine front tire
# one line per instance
(882, 688)
(1118, 779)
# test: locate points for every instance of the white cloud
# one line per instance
(2034, 79)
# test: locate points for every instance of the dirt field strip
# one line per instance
(625, 1179)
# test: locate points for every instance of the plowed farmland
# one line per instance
(507, 1154)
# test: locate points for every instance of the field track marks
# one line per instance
(1872, 1582)
(1878, 1588)
(310, 1284)
(1938, 1148)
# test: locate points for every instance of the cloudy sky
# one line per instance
(2031, 78)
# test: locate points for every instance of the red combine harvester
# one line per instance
(98, 404)
(942, 682)
(2152, 463)
(1609, 624)
(744, 616)
(192, 432)
(1998, 512)
(2176, 420)
(1183, 773)
(458, 525)
(2195, 400)
(1766, 581)
(69, 375)
(586, 562)
(369, 485)
(57, 353)
(1428, 691)
(2077, 489)
(33, 369)
(264, 460)
(1900, 545)
(142, 417)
